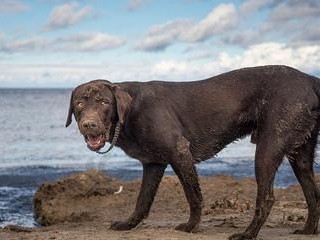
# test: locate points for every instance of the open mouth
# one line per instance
(95, 143)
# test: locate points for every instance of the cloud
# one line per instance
(220, 19)
(2, 36)
(43, 75)
(305, 58)
(310, 34)
(134, 5)
(171, 66)
(249, 6)
(68, 75)
(294, 21)
(24, 45)
(87, 42)
(161, 36)
(295, 10)
(291, 17)
(67, 15)
(78, 42)
(12, 6)
(244, 38)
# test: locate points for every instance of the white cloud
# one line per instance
(293, 21)
(12, 6)
(40, 75)
(68, 75)
(67, 15)
(172, 69)
(77, 42)
(24, 45)
(84, 42)
(305, 58)
(221, 19)
(161, 36)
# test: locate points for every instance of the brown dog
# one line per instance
(183, 123)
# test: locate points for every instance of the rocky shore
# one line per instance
(82, 206)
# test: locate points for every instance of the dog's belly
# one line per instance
(208, 145)
(202, 151)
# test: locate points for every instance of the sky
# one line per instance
(58, 43)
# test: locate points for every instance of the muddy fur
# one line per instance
(188, 122)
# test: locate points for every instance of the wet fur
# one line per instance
(188, 122)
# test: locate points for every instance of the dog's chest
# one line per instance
(144, 153)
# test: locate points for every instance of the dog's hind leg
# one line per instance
(302, 164)
(183, 165)
(152, 175)
(267, 160)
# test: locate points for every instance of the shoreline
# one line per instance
(229, 207)
(18, 184)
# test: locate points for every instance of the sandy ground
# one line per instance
(229, 207)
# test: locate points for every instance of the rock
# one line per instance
(16, 228)
(68, 199)
(232, 202)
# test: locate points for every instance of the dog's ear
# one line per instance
(123, 101)
(70, 111)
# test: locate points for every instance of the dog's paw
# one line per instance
(241, 236)
(186, 227)
(305, 231)
(122, 225)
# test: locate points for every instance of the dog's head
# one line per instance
(97, 106)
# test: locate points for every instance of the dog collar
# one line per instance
(114, 139)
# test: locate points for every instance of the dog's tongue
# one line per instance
(94, 140)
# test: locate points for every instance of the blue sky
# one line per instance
(58, 43)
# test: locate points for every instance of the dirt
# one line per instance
(82, 206)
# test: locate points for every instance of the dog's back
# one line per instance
(216, 111)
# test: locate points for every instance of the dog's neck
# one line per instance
(114, 139)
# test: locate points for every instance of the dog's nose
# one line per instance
(89, 124)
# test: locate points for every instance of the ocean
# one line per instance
(35, 147)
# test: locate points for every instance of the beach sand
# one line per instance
(229, 207)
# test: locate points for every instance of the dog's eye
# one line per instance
(80, 104)
(104, 103)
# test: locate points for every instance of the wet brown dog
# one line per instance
(180, 124)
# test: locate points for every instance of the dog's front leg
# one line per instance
(152, 174)
(183, 165)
